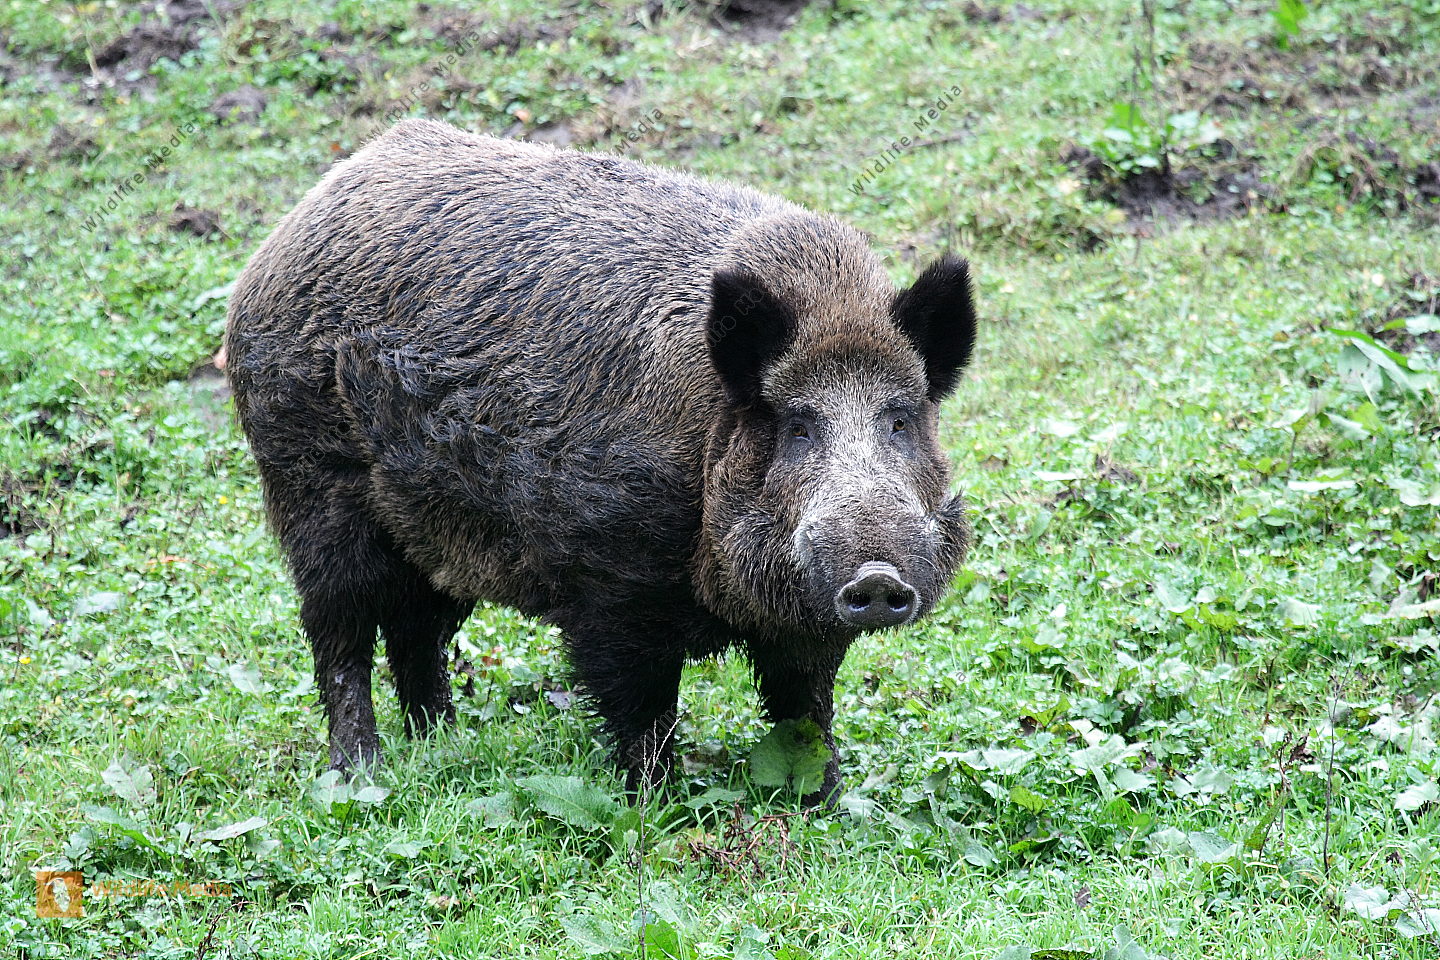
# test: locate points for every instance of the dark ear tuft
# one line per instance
(939, 318)
(748, 328)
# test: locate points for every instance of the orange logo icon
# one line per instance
(57, 893)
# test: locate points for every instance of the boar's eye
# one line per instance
(900, 425)
(799, 430)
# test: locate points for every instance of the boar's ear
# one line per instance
(748, 328)
(939, 318)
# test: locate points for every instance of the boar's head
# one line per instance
(827, 509)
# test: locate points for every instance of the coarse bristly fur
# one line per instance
(669, 415)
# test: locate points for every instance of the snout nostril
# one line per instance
(858, 600)
(877, 597)
(901, 600)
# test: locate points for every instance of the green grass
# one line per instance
(1187, 684)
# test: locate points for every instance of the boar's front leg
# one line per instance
(800, 685)
(634, 683)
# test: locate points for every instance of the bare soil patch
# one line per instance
(756, 21)
(17, 519)
(1420, 296)
(1236, 77)
(210, 394)
(1372, 170)
(200, 223)
(996, 13)
(242, 105)
(171, 29)
(1215, 182)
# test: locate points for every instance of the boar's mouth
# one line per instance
(850, 591)
(806, 584)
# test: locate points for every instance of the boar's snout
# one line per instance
(877, 597)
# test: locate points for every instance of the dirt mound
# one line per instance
(1215, 182)
(1240, 76)
(757, 20)
(171, 29)
(200, 223)
(1372, 170)
(975, 12)
(242, 105)
(1419, 297)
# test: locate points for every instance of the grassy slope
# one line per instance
(1182, 359)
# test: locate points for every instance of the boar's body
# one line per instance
(476, 369)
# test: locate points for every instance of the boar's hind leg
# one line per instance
(636, 690)
(342, 636)
(345, 572)
(791, 689)
(418, 627)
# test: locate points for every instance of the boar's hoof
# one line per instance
(360, 755)
(877, 597)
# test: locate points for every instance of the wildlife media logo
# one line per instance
(61, 893)
(153, 161)
(923, 121)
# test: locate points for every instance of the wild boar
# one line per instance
(669, 415)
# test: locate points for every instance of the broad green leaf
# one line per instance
(1414, 494)
(104, 602)
(789, 952)
(977, 854)
(1059, 428)
(1171, 597)
(1419, 923)
(230, 830)
(329, 789)
(371, 795)
(662, 941)
(1028, 798)
(1371, 903)
(793, 752)
(1125, 947)
(245, 677)
(1104, 754)
(1416, 796)
(495, 811)
(714, 797)
(1209, 848)
(136, 787)
(751, 944)
(1212, 780)
(1298, 613)
(571, 800)
(1129, 781)
(1288, 15)
(1422, 323)
(1314, 486)
(1392, 364)
(593, 936)
(1004, 761)
(122, 823)
(402, 849)
(1355, 366)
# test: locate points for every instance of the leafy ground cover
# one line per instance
(1182, 702)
